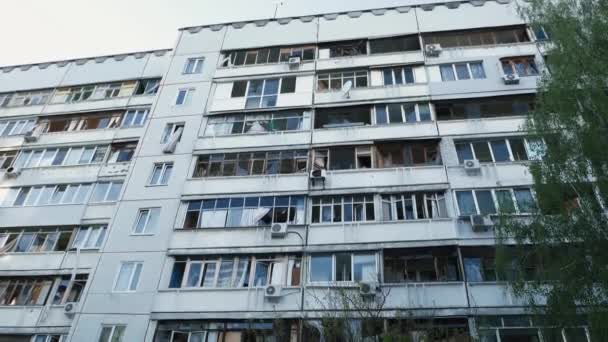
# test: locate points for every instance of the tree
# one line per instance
(568, 234)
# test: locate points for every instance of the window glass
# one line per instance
(364, 268)
(464, 152)
(485, 202)
(518, 149)
(500, 150)
(462, 71)
(288, 85)
(321, 268)
(505, 201)
(466, 204)
(343, 267)
(477, 70)
(447, 73)
(482, 151)
(525, 200)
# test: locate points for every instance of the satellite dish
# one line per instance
(346, 87)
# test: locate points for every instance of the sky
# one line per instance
(34, 31)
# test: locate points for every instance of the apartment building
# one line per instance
(228, 189)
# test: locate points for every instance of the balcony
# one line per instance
(367, 60)
(225, 300)
(439, 295)
(382, 232)
(495, 294)
(75, 137)
(281, 138)
(6, 112)
(51, 215)
(380, 132)
(262, 69)
(214, 239)
(491, 174)
(369, 178)
(246, 184)
(30, 317)
(57, 175)
(415, 92)
(508, 124)
(86, 106)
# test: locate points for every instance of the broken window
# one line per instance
(255, 123)
(421, 265)
(6, 159)
(414, 206)
(520, 66)
(342, 117)
(147, 87)
(251, 163)
(400, 154)
(268, 55)
(484, 107)
(343, 209)
(244, 211)
(335, 81)
(343, 49)
(478, 37)
(394, 44)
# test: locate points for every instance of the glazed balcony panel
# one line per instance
(262, 69)
(369, 178)
(364, 61)
(379, 132)
(284, 138)
(209, 239)
(495, 294)
(51, 215)
(398, 296)
(506, 174)
(87, 106)
(382, 232)
(477, 126)
(226, 300)
(416, 92)
(246, 184)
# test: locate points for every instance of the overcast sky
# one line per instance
(35, 31)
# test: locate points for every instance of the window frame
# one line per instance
(146, 230)
(137, 112)
(507, 140)
(529, 63)
(327, 76)
(322, 203)
(194, 65)
(393, 81)
(131, 286)
(495, 201)
(187, 97)
(163, 179)
(434, 197)
(404, 120)
(334, 281)
(112, 328)
(86, 242)
(471, 75)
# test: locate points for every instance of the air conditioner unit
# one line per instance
(510, 79)
(70, 309)
(318, 174)
(368, 289)
(471, 165)
(432, 50)
(12, 172)
(294, 62)
(272, 291)
(481, 223)
(278, 230)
